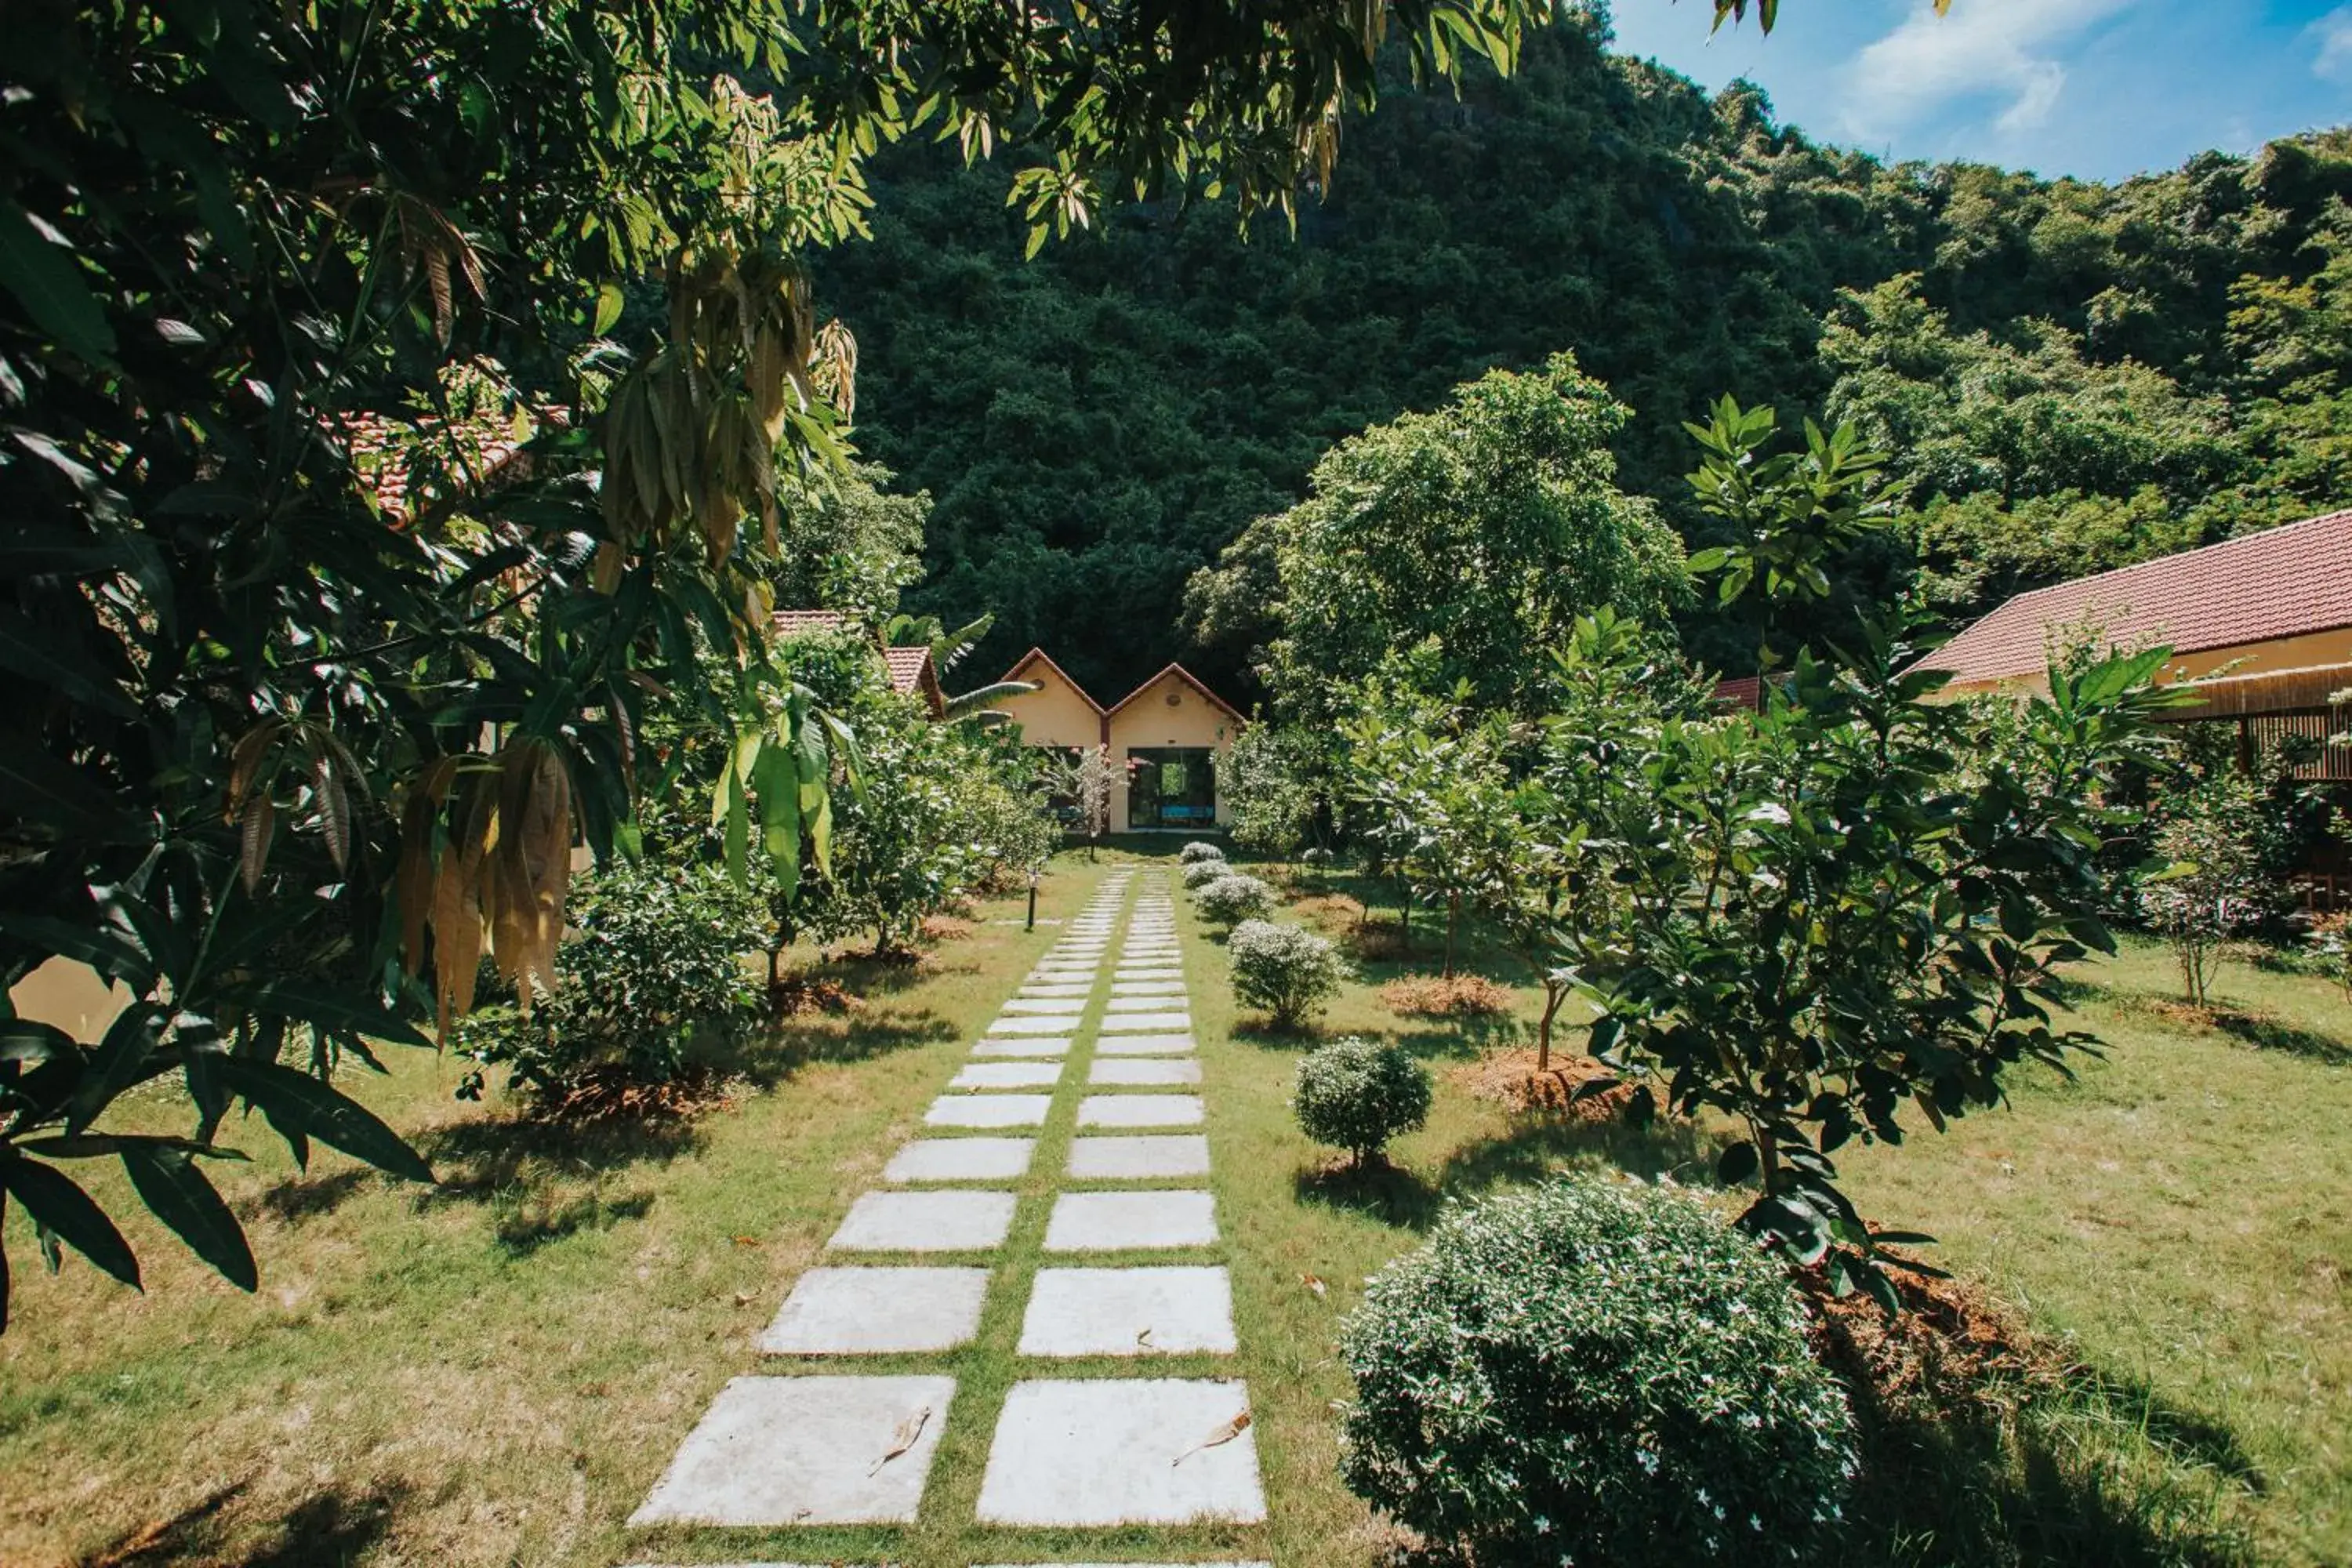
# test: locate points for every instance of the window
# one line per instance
(1172, 786)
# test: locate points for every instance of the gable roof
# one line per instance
(911, 670)
(1039, 655)
(2281, 583)
(1189, 678)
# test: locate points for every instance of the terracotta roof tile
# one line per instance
(800, 623)
(907, 666)
(2280, 583)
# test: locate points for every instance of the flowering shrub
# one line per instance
(1200, 873)
(1233, 898)
(1284, 970)
(1357, 1094)
(1594, 1374)
(1198, 850)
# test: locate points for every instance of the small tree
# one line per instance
(1286, 972)
(2212, 885)
(1087, 780)
(1230, 899)
(1357, 1094)
(1266, 784)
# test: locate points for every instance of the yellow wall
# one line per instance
(1151, 719)
(71, 996)
(1057, 713)
(2305, 652)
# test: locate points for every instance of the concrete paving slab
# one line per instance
(988, 1110)
(925, 1222)
(1006, 1075)
(1120, 990)
(1058, 988)
(1168, 1044)
(806, 1450)
(1045, 1006)
(1159, 1004)
(1162, 1156)
(1116, 1222)
(1144, 1072)
(1139, 1111)
(876, 1311)
(1136, 1023)
(1030, 1026)
(1018, 1046)
(960, 1159)
(1107, 1451)
(1129, 1311)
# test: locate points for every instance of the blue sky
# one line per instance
(2102, 88)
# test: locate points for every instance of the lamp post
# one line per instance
(1033, 899)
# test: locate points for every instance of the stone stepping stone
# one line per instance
(1126, 1023)
(1030, 1026)
(1063, 975)
(877, 1312)
(1169, 1045)
(1120, 1222)
(1162, 1156)
(1058, 988)
(1128, 973)
(1129, 1311)
(1142, 1072)
(961, 1159)
(1123, 989)
(1143, 1004)
(988, 1110)
(1109, 1451)
(1022, 1047)
(805, 1450)
(925, 1222)
(1139, 1111)
(1006, 1075)
(1051, 1007)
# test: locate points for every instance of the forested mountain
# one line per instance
(2069, 375)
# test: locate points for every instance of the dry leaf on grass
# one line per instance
(1313, 1283)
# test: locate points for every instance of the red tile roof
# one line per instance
(910, 667)
(474, 456)
(2281, 583)
(801, 623)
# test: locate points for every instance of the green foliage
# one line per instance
(1594, 1374)
(1284, 971)
(1268, 782)
(1233, 898)
(1829, 917)
(1199, 850)
(1356, 1094)
(656, 967)
(844, 543)
(1479, 532)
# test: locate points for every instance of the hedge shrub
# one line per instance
(1198, 850)
(1283, 970)
(1593, 1372)
(1200, 873)
(1235, 898)
(1357, 1094)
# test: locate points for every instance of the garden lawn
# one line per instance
(496, 1372)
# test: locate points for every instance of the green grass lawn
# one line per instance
(495, 1371)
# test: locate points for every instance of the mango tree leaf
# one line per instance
(182, 1197)
(301, 1107)
(63, 1209)
(46, 281)
(321, 1008)
(118, 1062)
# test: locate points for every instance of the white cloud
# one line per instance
(2331, 41)
(1998, 49)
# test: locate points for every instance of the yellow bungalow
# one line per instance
(1164, 739)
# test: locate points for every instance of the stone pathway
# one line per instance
(827, 1446)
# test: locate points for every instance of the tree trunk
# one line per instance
(1453, 927)
(1554, 994)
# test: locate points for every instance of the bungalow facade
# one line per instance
(1166, 739)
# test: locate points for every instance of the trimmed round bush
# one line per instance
(1283, 970)
(1200, 850)
(1357, 1094)
(1591, 1373)
(1235, 898)
(1200, 873)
